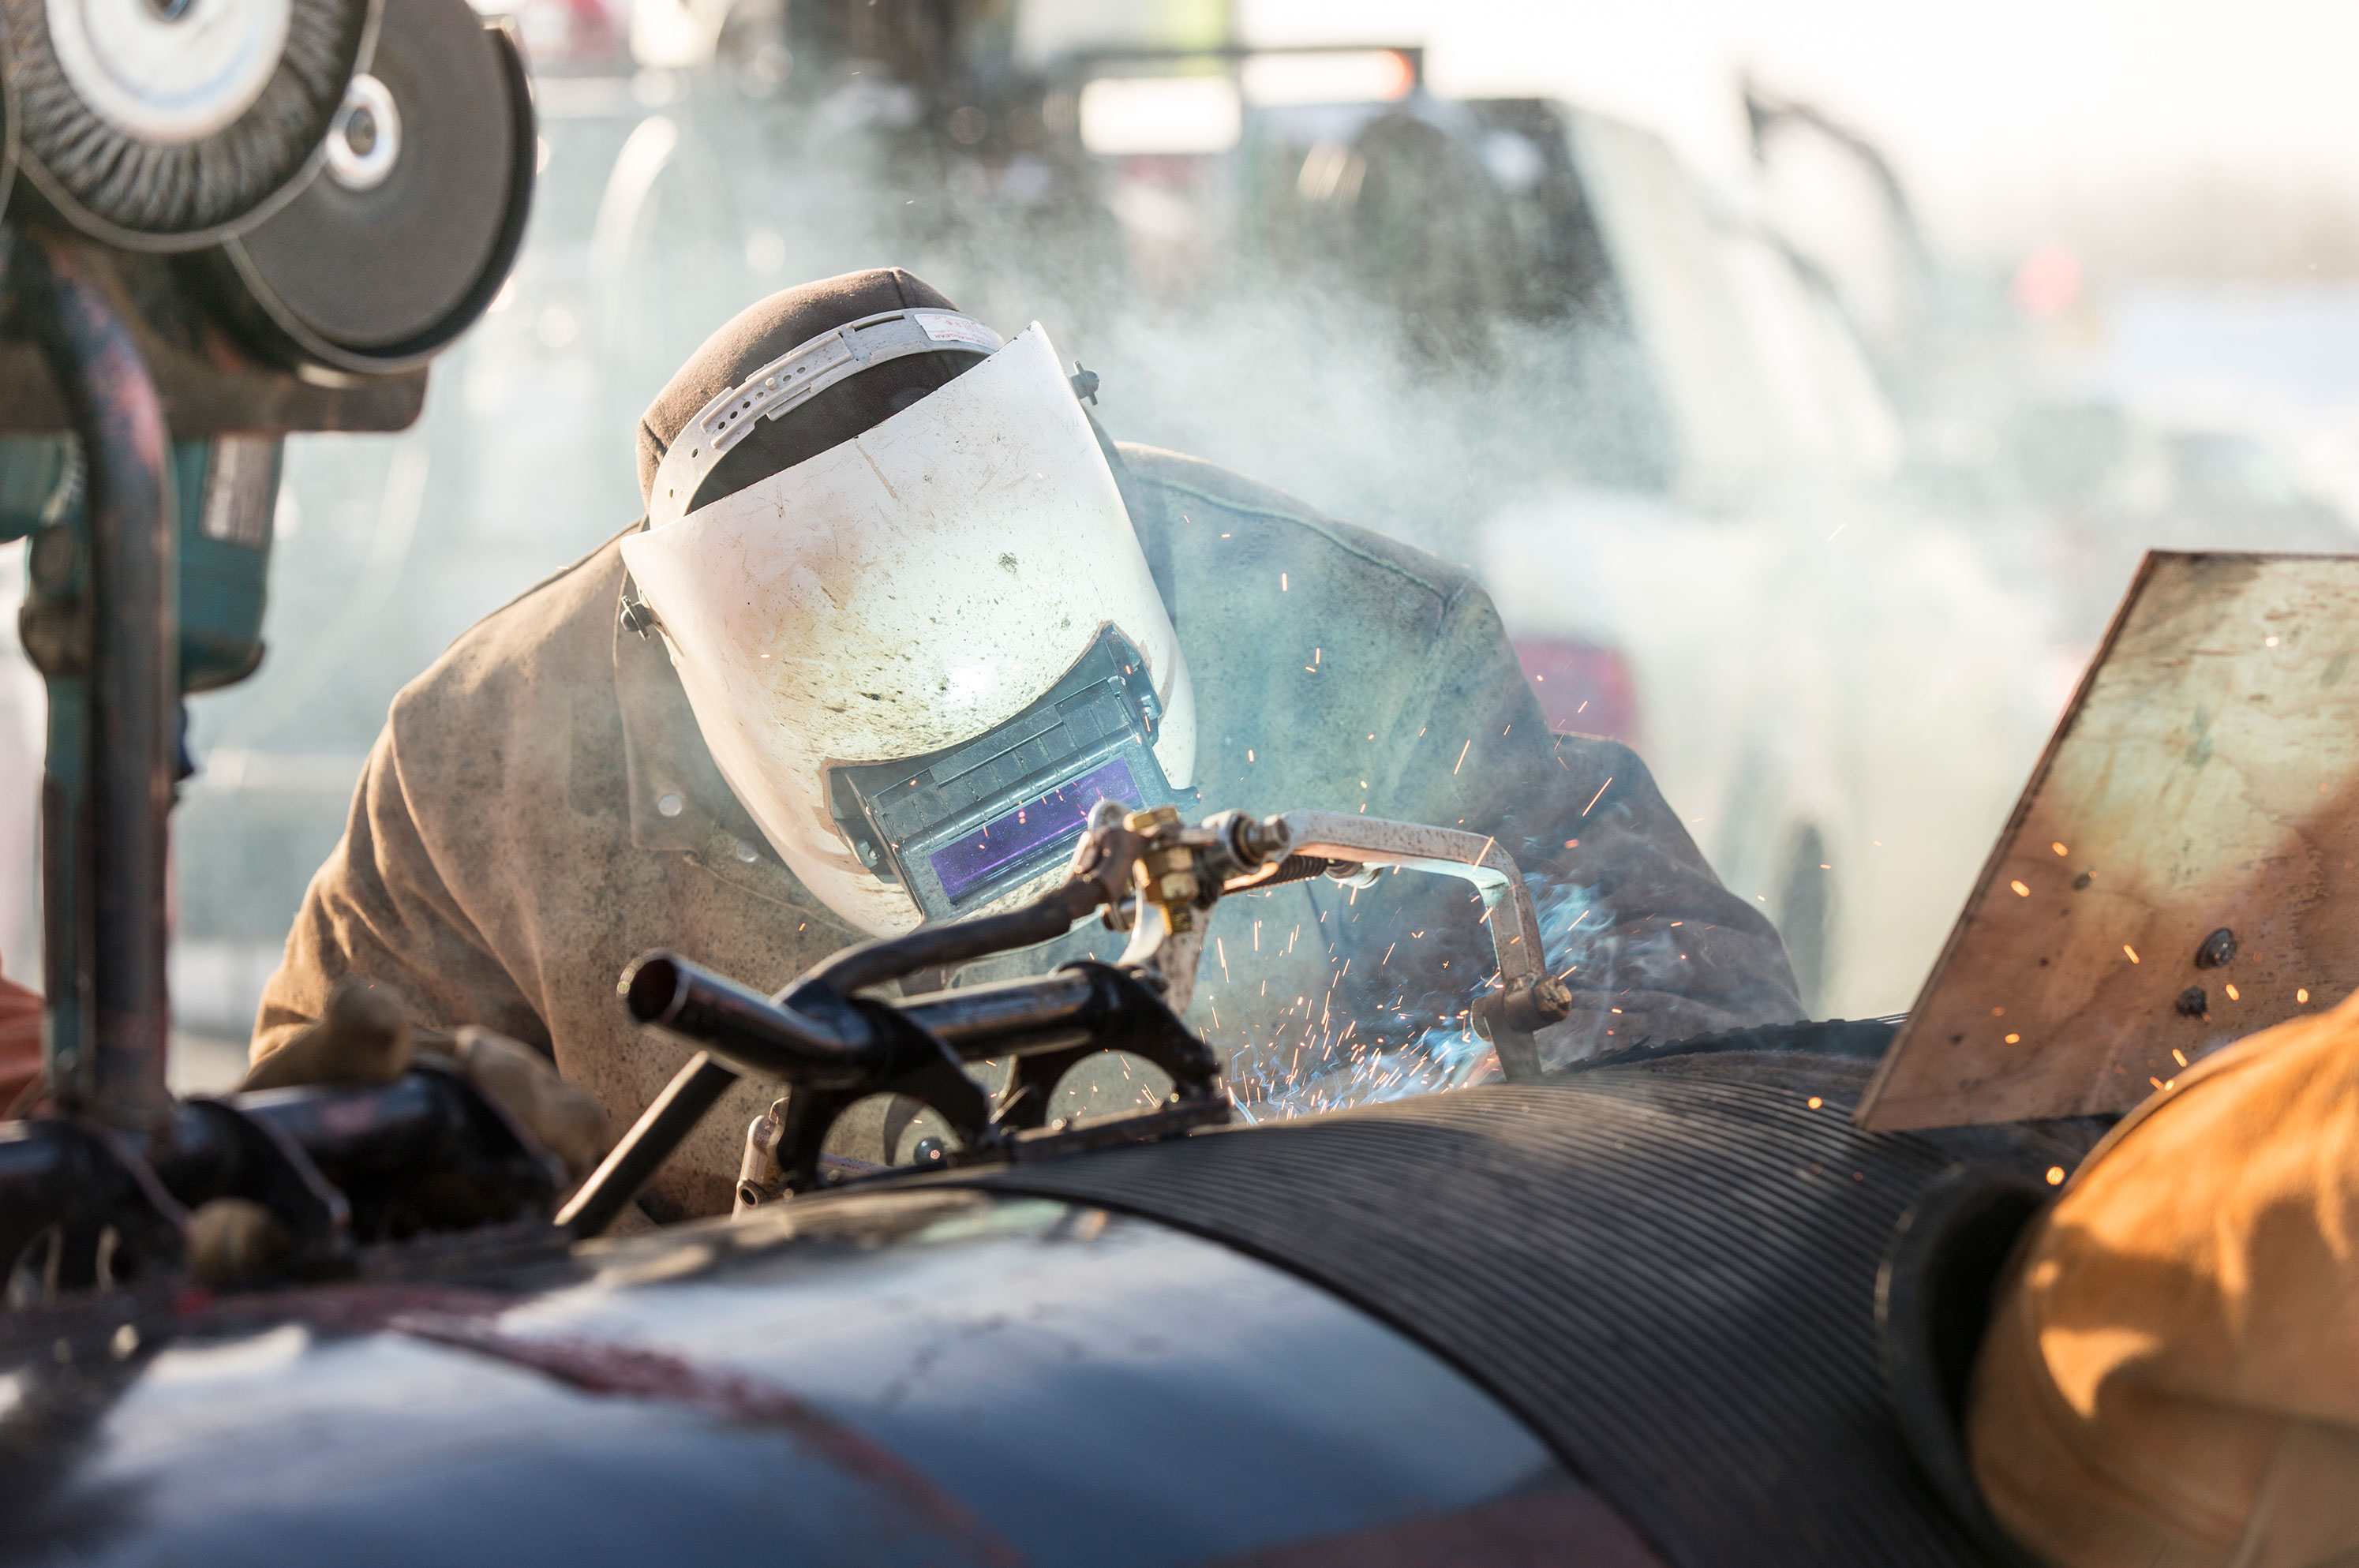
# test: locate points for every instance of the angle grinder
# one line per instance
(408, 232)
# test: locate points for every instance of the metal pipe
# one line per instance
(114, 1074)
(420, 1121)
(1050, 916)
(1011, 1018)
(686, 1000)
(633, 1161)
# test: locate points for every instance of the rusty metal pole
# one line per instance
(112, 836)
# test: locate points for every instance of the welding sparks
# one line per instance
(2233, 995)
(1599, 796)
(1461, 755)
(2055, 1175)
(2020, 890)
(2131, 950)
(1222, 948)
(2060, 849)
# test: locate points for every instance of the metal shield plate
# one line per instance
(2205, 778)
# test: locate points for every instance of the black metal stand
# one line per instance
(837, 1051)
(100, 1194)
(106, 800)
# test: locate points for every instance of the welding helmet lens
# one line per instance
(966, 825)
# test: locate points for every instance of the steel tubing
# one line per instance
(115, 1073)
(420, 1121)
(1011, 1018)
(735, 1022)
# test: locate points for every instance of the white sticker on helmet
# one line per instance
(957, 329)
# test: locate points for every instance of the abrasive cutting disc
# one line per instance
(410, 226)
(167, 124)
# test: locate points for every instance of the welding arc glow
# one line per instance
(1055, 819)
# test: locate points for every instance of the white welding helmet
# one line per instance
(920, 657)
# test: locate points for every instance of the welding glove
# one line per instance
(364, 1036)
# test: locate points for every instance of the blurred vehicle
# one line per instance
(1730, 577)
(1775, 509)
(2106, 482)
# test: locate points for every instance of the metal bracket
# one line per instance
(271, 1169)
(922, 1067)
(783, 1147)
(491, 1169)
(108, 1217)
(1134, 1019)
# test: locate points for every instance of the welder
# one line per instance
(897, 614)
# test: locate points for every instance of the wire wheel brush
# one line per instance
(164, 125)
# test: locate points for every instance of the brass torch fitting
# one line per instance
(1167, 870)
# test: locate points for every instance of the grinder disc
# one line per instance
(167, 127)
(409, 228)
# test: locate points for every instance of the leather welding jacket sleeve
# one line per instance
(540, 810)
(1338, 670)
(2170, 1379)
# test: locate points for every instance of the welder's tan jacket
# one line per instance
(540, 810)
(2171, 1375)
